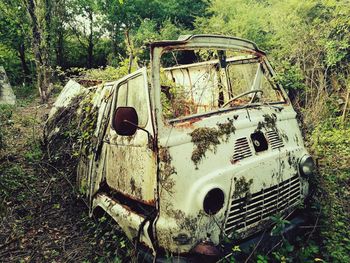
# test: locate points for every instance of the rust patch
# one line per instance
(188, 124)
(89, 82)
(134, 189)
(207, 248)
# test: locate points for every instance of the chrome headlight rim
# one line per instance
(306, 166)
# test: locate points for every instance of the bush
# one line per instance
(330, 142)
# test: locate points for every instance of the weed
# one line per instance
(14, 181)
(25, 94)
(108, 238)
(34, 152)
(331, 144)
(280, 224)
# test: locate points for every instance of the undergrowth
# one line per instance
(5, 121)
(331, 145)
(25, 94)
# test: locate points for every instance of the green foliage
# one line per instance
(290, 76)
(25, 94)
(74, 54)
(108, 73)
(34, 152)
(9, 60)
(331, 144)
(13, 180)
(116, 247)
(280, 224)
(261, 259)
(14, 40)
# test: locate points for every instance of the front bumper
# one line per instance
(263, 241)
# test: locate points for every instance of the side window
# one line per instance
(270, 93)
(122, 95)
(132, 93)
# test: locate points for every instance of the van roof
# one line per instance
(213, 41)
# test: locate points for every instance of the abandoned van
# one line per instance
(200, 147)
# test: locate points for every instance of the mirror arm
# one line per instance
(150, 137)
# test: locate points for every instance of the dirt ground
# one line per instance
(41, 218)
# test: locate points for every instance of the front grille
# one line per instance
(274, 139)
(259, 206)
(241, 150)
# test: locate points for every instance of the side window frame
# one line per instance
(125, 80)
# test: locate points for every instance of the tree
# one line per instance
(309, 43)
(40, 19)
(57, 30)
(13, 32)
(125, 19)
(84, 21)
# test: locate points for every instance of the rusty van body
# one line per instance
(201, 148)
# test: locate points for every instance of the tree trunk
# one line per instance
(59, 15)
(91, 43)
(59, 49)
(40, 49)
(130, 49)
(115, 39)
(25, 69)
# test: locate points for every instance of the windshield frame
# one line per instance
(157, 50)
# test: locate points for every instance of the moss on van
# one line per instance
(206, 138)
(242, 187)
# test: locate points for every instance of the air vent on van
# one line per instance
(274, 139)
(241, 150)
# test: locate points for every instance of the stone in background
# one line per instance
(6, 93)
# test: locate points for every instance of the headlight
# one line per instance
(213, 201)
(306, 166)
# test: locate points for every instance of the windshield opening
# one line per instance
(205, 80)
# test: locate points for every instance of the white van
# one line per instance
(200, 147)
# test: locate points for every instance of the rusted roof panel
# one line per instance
(204, 40)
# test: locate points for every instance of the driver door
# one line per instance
(131, 164)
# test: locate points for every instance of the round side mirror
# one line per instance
(125, 121)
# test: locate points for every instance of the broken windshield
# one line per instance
(201, 81)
